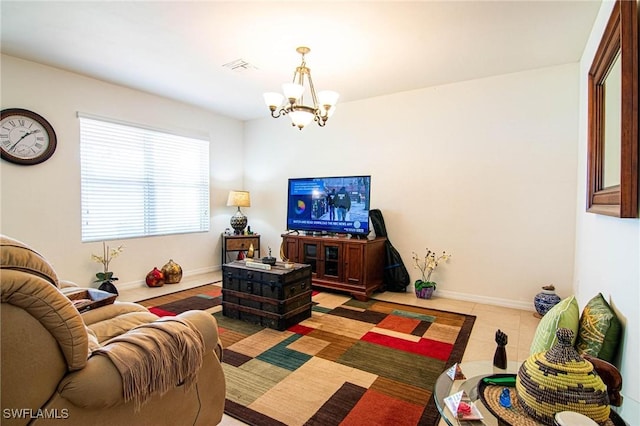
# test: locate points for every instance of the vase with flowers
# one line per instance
(424, 287)
(106, 277)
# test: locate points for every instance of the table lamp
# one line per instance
(239, 199)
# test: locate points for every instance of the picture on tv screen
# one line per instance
(329, 204)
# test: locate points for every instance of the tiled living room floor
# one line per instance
(519, 325)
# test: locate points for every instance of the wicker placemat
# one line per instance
(514, 416)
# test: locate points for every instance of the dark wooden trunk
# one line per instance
(277, 298)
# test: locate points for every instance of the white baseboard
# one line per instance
(186, 275)
(494, 301)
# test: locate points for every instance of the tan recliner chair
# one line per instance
(48, 374)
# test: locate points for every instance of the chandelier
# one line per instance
(301, 114)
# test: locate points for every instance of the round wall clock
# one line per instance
(25, 137)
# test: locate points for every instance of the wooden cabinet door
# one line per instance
(353, 263)
(291, 249)
(325, 257)
(332, 261)
(309, 252)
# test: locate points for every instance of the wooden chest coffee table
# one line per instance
(276, 298)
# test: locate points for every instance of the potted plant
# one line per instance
(106, 277)
(424, 287)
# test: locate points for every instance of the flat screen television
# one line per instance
(338, 204)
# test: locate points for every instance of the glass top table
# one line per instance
(474, 371)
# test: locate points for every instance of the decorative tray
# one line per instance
(90, 298)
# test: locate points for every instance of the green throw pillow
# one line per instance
(599, 331)
(565, 314)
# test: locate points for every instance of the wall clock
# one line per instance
(26, 138)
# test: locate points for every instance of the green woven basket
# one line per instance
(561, 380)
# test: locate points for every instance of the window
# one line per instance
(140, 182)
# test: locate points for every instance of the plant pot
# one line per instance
(424, 293)
(108, 287)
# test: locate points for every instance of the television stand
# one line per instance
(351, 265)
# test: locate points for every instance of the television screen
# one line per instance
(329, 204)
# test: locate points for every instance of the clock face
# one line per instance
(25, 137)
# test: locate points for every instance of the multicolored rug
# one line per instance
(351, 363)
(204, 298)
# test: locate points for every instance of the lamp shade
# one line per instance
(328, 98)
(301, 118)
(292, 90)
(273, 99)
(239, 199)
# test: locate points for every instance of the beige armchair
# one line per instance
(51, 369)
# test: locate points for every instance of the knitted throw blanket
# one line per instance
(155, 357)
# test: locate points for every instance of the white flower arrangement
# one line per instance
(108, 254)
(426, 266)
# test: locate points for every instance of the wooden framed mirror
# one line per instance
(612, 174)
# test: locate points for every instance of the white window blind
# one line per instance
(141, 182)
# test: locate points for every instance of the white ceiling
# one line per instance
(360, 49)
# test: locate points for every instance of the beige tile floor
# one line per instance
(519, 325)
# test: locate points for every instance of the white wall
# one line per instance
(484, 169)
(608, 250)
(41, 203)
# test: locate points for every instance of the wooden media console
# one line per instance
(347, 264)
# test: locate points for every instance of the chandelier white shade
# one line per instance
(292, 102)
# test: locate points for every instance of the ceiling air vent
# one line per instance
(239, 65)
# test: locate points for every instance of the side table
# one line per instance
(236, 243)
(474, 371)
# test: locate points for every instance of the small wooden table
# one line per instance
(236, 243)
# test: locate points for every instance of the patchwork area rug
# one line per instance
(204, 298)
(351, 363)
